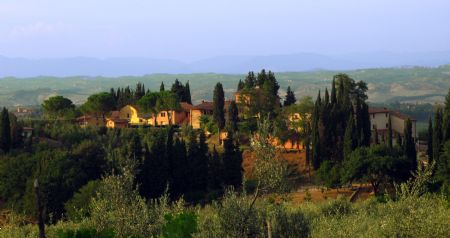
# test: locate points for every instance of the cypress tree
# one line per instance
(446, 118)
(409, 145)
(316, 136)
(261, 78)
(215, 171)
(5, 131)
(161, 88)
(350, 141)
(250, 80)
(187, 93)
(365, 120)
(437, 134)
(218, 106)
(389, 136)
(241, 85)
(232, 159)
(290, 97)
(232, 117)
(375, 139)
(333, 92)
(430, 140)
(327, 97)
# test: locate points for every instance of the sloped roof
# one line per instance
(374, 110)
(205, 105)
(378, 110)
(186, 106)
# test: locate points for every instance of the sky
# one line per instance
(189, 30)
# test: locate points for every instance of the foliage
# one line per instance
(182, 225)
(77, 207)
(59, 107)
(218, 108)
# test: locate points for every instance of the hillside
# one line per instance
(415, 84)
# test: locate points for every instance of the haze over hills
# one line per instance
(231, 64)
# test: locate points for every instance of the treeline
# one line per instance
(127, 96)
(65, 158)
(100, 104)
(343, 147)
(438, 150)
(10, 132)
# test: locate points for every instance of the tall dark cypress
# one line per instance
(161, 87)
(375, 137)
(232, 160)
(187, 93)
(316, 135)
(409, 146)
(437, 134)
(389, 136)
(333, 92)
(365, 120)
(290, 97)
(218, 108)
(446, 118)
(327, 97)
(5, 131)
(250, 80)
(350, 137)
(241, 85)
(430, 140)
(232, 117)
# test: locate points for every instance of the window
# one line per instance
(128, 115)
(387, 125)
(386, 114)
(373, 115)
(163, 114)
(373, 126)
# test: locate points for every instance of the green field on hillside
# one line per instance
(412, 85)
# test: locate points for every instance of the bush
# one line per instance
(77, 207)
(339, 207)
(290, 224)
(182, 225)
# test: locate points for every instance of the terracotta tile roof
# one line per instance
(401, 115)
(205, 105)
(186, 106)
(115, 114)
(378, 110)
(374, 110)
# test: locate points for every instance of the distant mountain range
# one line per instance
(232, 64)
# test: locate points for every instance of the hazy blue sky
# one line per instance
(194, 29)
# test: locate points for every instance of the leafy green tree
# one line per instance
(376, 165)
(57, 107)
(100, 103)
(5, 131)
(161, 87)
(290, 97)
(218, 109)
